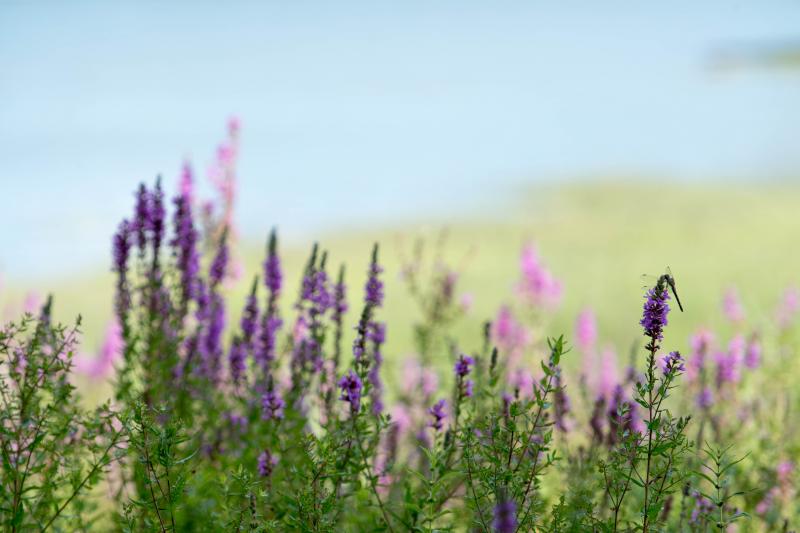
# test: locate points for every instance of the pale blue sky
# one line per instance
(373, 111)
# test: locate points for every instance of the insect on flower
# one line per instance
(667, 278)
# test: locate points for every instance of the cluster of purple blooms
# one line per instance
(369, 334)
(271, 322)
(350, 385)
(322, 298)
(184, 245)
(266, 463)
(374, 288)
(462, 369)
(272, 406)
(673, 364)
(656, 309)
(438, 414)
(376, 334)
(199, 310)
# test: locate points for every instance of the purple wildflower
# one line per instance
(203, 310)
(463, 365)
(196, 344)
(267, 339)
(655, 313)
(157, 217)
(318, 293)
(673, 364)
(505, 516)
(273, 277)
(266, 463)
(162, 309)
(351, 386)
(220, 262)
(462, 369)
(237, 359)
(272, 406)
(339, 299)
(249, 319)
(373, 297)
(438, 414)
(184, 246)
(339, 309)
(141, 218)
(376, 333)
(727, 368)
(214, 329)
(469, 387)
(374, 286)
(270, 321)
(121, 252)
(305, 355)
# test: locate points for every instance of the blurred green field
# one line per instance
(598, 237)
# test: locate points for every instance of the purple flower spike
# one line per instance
(157, 217)
(212, 348)
(220, 263)
(266, 463)
(273, 277)
(655, 313)
(237, 360)
(673, 364)
(184, 246)
(438, 414)
(376, 332)
(318, 292)
(374, 286)
(469, 387)
(249, 320)
(340, 300)
(728, 368)
(464, 365)
(268, 337)
(121, 251)
(505, 517)
(272, 406)
(351, 386)
(141, 218)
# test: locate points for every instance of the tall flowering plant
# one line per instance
(261, 414)
(53, 451)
